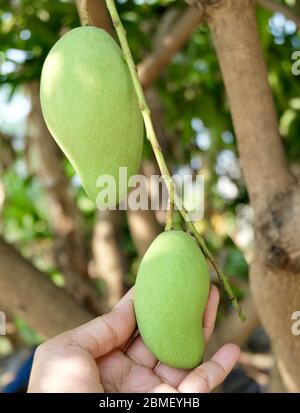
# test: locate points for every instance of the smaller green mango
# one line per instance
(171, 293)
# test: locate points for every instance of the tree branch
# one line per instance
(169, 44)
(154, 63)
(30, 294)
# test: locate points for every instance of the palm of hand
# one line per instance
(101, 356)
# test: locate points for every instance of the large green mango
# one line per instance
(90, 107)
(171, 292)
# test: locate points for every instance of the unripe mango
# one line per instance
(91, 108)
(171, 293)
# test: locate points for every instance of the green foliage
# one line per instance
(32, 27)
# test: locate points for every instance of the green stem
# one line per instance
(170, 211)
(151, 136)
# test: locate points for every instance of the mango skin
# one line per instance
(90, 106)
(170, 296)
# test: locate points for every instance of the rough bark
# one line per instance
(274, 193)
(29, 293)
(64, 218)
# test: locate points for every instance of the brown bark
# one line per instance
(143, 228)
(7, 153)
(29, 293)
(97, 13)
(170, 43)
(109, 262)
(64, 218)
(274, 194)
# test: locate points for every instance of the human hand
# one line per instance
(103, 356)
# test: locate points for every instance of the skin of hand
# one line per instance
(105, 355)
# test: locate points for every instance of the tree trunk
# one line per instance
(109, 262)
(29, 293)
(274, 193)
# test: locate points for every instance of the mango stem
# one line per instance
(84, 13)
(151, 136)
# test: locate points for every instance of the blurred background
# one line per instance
(61, 261)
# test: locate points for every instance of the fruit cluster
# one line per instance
(92, 111)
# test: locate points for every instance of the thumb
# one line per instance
(104, 334)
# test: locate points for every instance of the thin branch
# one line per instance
(154, 63)
(170, 212)
(151, 136)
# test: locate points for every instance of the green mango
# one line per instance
(91, 108)
(170, 296)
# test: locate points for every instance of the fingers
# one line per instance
(139, 353)
(210, 313)
(212, 373)
(170, 375)
(104, 334)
